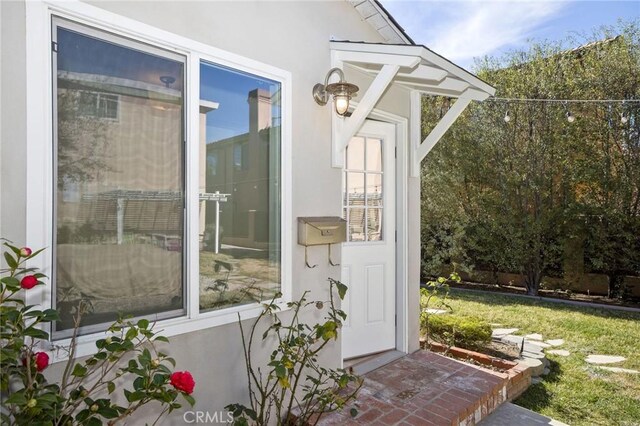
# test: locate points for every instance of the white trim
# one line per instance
(39, 122)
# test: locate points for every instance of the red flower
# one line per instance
(28, 282)
(41, 360)
(183, 381)
(25, 252)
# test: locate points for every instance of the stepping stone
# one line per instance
(536, 366)
(620, 370)
(534, 355)
(546, 371)
(514, 340)
(535, 336)
(498, 332)
(530, 347)
(536, 380)
(604, 359)
(540, 344)
(559, 352)
(435, 311)
(556, 342)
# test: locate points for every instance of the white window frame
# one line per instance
(40, 185)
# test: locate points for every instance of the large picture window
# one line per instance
(240, 192)
(165, 205)
(119, 178)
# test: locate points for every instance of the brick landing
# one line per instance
(425, 389)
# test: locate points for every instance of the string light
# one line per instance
(624, 119)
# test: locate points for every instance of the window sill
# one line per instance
(168, 328)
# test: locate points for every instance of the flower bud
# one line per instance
(108, 340)
(94, 408)
(32, 403)
(155, 363)
(25, 252)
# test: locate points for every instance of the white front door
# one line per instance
(369, 255)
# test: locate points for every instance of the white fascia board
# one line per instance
(430, 58)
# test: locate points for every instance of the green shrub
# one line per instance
(465, 332)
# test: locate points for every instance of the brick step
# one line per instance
(425, 388)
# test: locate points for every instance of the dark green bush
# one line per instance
(452, 330)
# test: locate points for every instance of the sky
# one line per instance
(463, 29)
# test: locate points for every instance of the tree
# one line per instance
(515, 196)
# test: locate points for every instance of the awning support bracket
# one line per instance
(420, 150)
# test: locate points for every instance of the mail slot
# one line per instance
(321, 230)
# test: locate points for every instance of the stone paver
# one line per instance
(511, 415)
(538, 343)
(436, 311)
(534, 336)
(499, 332)
(559, 352)
(555, 342)
(424, 388)
(604, 359)
(536, 365)
(620, 370)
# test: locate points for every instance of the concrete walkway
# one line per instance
(509, 414)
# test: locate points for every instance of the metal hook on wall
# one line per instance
(306, 261)
(330, 261)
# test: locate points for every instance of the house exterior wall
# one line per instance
(293, 36)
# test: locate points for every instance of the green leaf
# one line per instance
(111, 387)
(132, 333)
(161, 339)
(79, 370)
(11, 261)
(342, 289)
(281, 371)
(143, 323)
(36, 333)
(189, 399)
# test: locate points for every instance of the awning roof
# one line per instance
(421, 69)
(413, 66)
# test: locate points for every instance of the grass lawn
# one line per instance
(574, 392)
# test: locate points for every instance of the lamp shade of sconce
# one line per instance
(341, 92)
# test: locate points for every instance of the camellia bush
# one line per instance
(126, 359)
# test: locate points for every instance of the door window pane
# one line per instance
(374, 155)
(239, 202)
(355, 154)
(363, 192)
(119, 171)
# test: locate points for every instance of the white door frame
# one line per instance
(402, 259)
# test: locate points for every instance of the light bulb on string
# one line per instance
(570, 117)
(507, 118)
(623, 118)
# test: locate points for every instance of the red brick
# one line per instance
(368, 416)
(394, 416)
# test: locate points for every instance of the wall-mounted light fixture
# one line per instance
(341, 92)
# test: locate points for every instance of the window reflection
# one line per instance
(240, 201)
(119, 171)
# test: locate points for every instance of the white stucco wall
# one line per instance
(293, 36)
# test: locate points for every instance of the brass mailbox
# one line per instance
(314, 231)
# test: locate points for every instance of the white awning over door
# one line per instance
(415, 67)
